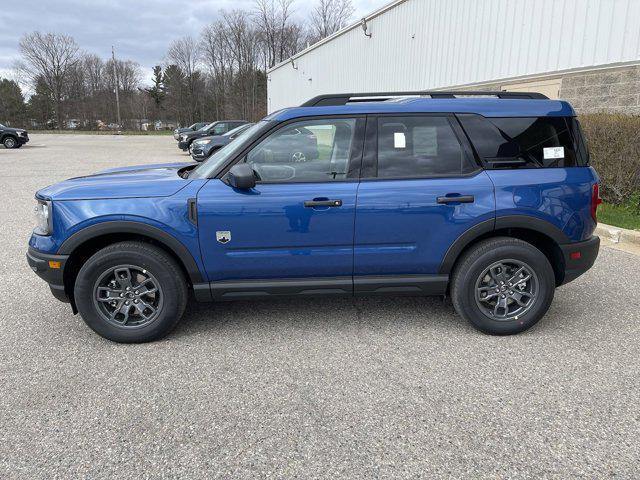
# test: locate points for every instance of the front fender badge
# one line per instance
(223, 236)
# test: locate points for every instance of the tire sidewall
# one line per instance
(171, 306)
(8, 140)
(546, 288)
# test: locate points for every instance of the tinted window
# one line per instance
(219, 129)
(314, 150)
(534, 141)
(419, 147)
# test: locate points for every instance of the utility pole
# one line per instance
(115, 76)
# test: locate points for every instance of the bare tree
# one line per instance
(329, 16)
(93, 65)
(185, 55)
(216, 56)
(129, 74)
(242, 43)
(50, 58)
(279, 35)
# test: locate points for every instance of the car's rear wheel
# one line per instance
(131, 292)
(503, 285)
(10, 142)
(298, 157)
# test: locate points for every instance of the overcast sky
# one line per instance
(140, 30)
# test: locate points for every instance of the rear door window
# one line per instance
(416, 146)
(524, 141)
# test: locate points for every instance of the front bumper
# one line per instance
(184, 144)
(51, 269)
(197, 153)
(579, 257)
(22, 139)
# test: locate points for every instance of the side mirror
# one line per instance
(242, 176)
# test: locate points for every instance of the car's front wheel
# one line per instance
(131, 292)
(503, 285)
(10, 142)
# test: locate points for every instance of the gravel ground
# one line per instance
(393, 388)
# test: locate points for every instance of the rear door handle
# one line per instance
(456, 199)
(323, 203)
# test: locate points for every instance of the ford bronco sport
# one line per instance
(486, 197)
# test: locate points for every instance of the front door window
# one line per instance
(309, 151)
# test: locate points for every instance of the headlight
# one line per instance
(20, 133)
(201, 142)
(183, 137)
(43, 217)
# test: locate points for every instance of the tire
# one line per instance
(162, 309)
(298, 157)
(10, 142)
(502, 286)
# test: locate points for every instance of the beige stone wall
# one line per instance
(612, 90)
(608, 90)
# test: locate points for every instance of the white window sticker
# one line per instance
(399, 140)
(553, 152)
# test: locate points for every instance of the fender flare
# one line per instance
(124, 226)
(525, 222)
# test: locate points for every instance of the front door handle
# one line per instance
(323, 203)
(456, 199)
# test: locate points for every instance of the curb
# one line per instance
(617, 234)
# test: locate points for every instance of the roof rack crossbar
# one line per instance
(337, 99)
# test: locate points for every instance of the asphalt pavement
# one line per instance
(299, 388)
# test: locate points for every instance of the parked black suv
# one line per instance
(13, 137)
(191, 128)
(215, 128)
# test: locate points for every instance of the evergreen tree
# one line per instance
(12, 106)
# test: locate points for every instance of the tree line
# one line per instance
(221, 73)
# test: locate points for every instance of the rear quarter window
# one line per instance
(529, 142)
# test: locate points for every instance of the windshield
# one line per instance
(219, 158)
(206, 127)
(2, 126)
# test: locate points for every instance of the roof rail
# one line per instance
(344, 98)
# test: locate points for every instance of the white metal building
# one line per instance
(587, 51)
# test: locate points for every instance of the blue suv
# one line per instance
(486, 197)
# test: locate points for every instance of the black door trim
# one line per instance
(401, 284)
(359, 285)
(235, 289)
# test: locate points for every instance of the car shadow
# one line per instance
(318, 314)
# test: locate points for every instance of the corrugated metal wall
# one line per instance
(421, 44)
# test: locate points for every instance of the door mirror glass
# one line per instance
(242, 176)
